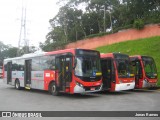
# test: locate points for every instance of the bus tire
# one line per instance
(17, 84)
(53, 89)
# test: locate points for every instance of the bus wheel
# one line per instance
(53, 89)
(17, 85)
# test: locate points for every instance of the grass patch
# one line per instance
(147, 46)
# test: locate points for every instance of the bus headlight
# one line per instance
(79, 84)
(155, 75)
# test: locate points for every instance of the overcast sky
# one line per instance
(38, 14)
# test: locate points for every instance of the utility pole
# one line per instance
(110, 17)
(23, 42)
(104, 18)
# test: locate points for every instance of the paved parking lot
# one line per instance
(35, 100)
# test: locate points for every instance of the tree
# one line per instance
(74, 22)
(7, 51)
(66, 28)
(3, 49)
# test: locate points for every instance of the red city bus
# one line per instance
(116, 72)
(70, 71)
(145, 71)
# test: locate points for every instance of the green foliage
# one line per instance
(122, 28)
(22, 51)
(138, 24)
(53, 46)
(7, 51)
(98, 35)
(148, 46)
(73, 23)
(106, 33)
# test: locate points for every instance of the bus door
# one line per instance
(9, 72)
(139, 75)
(107, 70)
(27, 74)
(64, 70)
(137, 69)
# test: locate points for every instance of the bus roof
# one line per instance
(60, 51)
(139, 56)
(72, 50)
(103, 55)
(26, 56)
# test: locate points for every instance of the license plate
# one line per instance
(92, 88)
(128, 84)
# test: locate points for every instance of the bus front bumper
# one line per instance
(147, 84)
(124, 86)
(79, 89)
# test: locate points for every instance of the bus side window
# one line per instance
(44, 63)
(14, 65)
(35, 64)
(5, 66)
(47, 63)
(20, 65)
(52, 63)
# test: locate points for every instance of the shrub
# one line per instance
(138, 24)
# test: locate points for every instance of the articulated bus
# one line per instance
(116, 72)
(70, 71)
(145, 71)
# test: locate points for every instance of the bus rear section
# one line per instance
(145, 71)
(69, 71)
(116, 72)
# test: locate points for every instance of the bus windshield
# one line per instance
(87, 66)
(123, 65)
(149, 67)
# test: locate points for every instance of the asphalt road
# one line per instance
(35, 100)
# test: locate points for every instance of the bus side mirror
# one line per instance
(155, 75)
